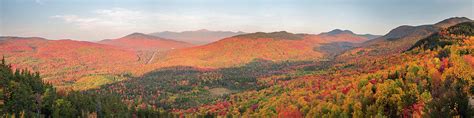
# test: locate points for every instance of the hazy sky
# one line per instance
(102, 19)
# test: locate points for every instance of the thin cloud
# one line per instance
(114, 19)
(126, 20)
(39, 2)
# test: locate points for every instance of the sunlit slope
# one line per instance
(61, 61)
(241, 49)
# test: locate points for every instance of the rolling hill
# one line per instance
(68, 61)
(62, 61)
(144, 42)
(274, 46)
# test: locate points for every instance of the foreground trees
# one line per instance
(24, 94)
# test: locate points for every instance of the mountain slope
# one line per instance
(199, 37)
(398, 39)
(451, 22)
(339, 32)
(354, 38)
(241, 49)
(244, 48)
(442, 38)
(140, 42)
(61, 61)
(370, 36)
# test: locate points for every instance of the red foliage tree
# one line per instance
(289, 112)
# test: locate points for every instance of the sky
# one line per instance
(93, 20)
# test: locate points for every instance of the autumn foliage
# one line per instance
(414, 71)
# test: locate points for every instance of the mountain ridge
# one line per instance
(398, 39)
(141, 41)
(272, 46)
(200, 37)
(348, 32)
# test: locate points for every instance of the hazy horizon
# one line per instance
(97, 20)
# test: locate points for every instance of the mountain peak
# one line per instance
(405, 30)
(280, 35)
(202, 36)
(136, 34)
(202, 30)
(451, 21)
(339, 31)
(139, 35)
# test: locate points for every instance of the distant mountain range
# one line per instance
(199, 37)
(204, 36)
(348, 32)
(140, 41)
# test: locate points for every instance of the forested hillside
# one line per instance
(433, 78)
(186, 87)
(65, 61)
(25, 94)
(421, 82)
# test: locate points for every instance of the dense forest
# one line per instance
(24, 94)
(186, 87)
